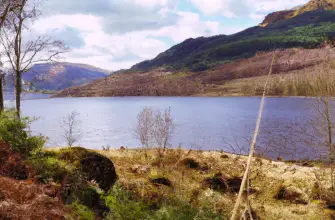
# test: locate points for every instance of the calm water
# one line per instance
(202, 123)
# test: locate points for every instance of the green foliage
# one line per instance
(48, 168)
(81, 212)
(124, 206)
(15, 132)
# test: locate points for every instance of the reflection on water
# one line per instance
(202, 123)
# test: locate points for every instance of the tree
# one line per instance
(2, 106)
(324, 123)
(144, 127)
(6, 6)
(71, 128)
(155, 128)
(163, 129)
(22, 53)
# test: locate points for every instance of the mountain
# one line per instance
(307, 30)
(214, 65)
(312, 5)
(316, 5)
(59, 76)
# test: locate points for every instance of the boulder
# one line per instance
(330, 200)
(190, 163)
(99, 168)
(161, 181)
(222, 183)
(96, 167)
(293, 194)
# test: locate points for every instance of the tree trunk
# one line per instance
(2, 106)
(18, 93)
(330, 143)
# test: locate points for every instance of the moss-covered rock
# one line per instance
(100, 169)
(95, 166)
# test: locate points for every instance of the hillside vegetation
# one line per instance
(291, 71)
(307, 30)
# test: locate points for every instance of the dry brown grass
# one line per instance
(188, 185)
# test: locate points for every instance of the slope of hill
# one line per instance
(316, 5)
(307, 30)
(223, 80)
(312, 5)
(58, 76)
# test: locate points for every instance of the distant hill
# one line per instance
(59, 76)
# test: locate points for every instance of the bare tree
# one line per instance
(155, 128)
(71, 126)
(23, 53)
(163, 129)
(144, 127)
(6, 6)
(2, 105)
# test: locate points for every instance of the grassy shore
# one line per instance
(207, 180)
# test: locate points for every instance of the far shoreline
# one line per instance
(196, 96)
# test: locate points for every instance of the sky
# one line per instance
(116, 34)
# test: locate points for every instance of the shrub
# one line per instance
(123, 206)
(247, 89)
(82, 212)
(15, 132)
(48, 168)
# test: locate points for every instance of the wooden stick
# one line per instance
(253, 144)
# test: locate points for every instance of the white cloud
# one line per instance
(189, 26)
(242, 8)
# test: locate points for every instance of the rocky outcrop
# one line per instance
(316, 5)
(287, 14)
(277, 16)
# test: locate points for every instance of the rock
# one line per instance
(96, 167)
(73, 154)
(100, 169)
(221, 183)
(161, 181)
(330, 200)
(190, 163)
(224, 156)
(293, 194)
